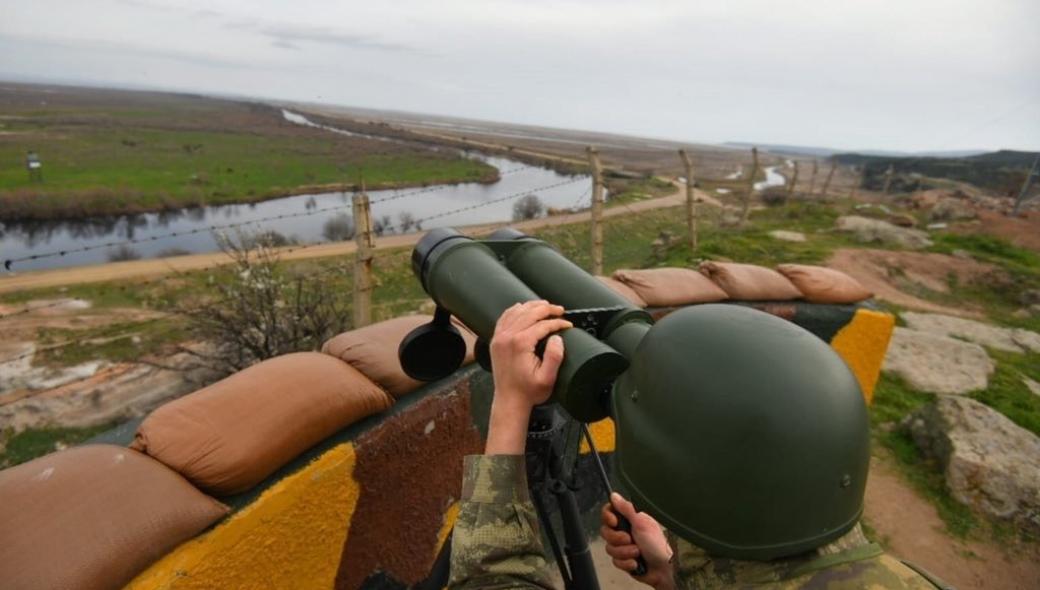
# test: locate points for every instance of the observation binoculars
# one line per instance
(477, 280)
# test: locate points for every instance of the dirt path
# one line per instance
(151, 268)
(910, 528)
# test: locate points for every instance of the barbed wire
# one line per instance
(8, 262)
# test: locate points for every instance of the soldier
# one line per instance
(497, 543)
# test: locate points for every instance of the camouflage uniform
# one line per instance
(497, 544)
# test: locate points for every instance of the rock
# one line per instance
(876, 230)
(951, 210)
(1031, 385)
(787, 236)
(990, 463)
(1029, 297)
(1006, 339)
(962, 254)
(937, 364)
(903, 220)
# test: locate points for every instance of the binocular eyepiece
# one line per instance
(476, 280)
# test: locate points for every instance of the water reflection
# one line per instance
(303, 218)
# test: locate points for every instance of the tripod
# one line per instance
(548, 440)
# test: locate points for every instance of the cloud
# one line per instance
(288, 36)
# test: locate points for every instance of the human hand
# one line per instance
(647, 540)
(522, 380)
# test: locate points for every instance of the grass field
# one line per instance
(109, 152)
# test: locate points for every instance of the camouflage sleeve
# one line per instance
(497, 542)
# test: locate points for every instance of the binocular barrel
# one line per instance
(477, 280)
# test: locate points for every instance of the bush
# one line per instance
(261, 311)
(774, 196)
(123, 253)
(339, 228)
(382, 225)
(405, 221)
(528, 207)
(171, 252)
(267, 238)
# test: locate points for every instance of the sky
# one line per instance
(881, 74)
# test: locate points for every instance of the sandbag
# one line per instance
(623, 290)
(373, 351)
(820, 284)
(748, 282)
(229, 436)
(93, 517)
(665, 287)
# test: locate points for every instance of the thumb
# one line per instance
(623, 506)
(551, 359)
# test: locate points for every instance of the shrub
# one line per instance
(528, 207)
(123, 253)
(774, 196)
(339, 228)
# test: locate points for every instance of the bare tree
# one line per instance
(262, 310)
(527, 207)
(339, 228)
(405, 221)
(123, 253)
(382, 225)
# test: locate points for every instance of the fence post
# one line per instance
(691, 203)
(1025, 187)
(794, 180)
(363, 260)
(750, 187)
(827, 182)
(859, 181)
(597, 210)
(888, 179)
(812, 179)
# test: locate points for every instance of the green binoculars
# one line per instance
(476, 280)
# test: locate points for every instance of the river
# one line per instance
(301, 217)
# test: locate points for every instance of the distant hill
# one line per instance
(826, 152)
(1001, 172)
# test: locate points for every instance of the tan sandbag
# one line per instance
(373, 351)
(665, 287)
(820, 284)
(748, 282)
(229, 436)
(623, 290)
(93, 517)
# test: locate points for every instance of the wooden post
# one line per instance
(888, 179)
(812, 179)
(363, 260)
(859, 181)
(691, 203)
(827, 182)
(1025, 187)
(597, 210)
(749, 192)
(794, 180)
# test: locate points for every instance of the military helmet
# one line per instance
(742, 433)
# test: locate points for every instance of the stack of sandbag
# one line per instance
(93, 517)
(626, 292)
(372, 350)
(229, 436)
(720, 281)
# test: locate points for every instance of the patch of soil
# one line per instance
(910, 528)
(884, 272)
(1021, 231)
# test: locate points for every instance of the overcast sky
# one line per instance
(882, 74)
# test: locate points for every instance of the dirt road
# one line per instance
(151, 268)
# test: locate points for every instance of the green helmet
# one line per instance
(742, 433)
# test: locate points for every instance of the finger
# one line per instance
(508, 318)
(612, 536)
(623, 551)
(552, 358)
(530, 312)
(607, 516)
(529, 338)
(623, 506)
(625, 565)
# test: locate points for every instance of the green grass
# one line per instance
(35, 442)
(118, 159)
(623, 191)
(1008, 394)
(119, 342)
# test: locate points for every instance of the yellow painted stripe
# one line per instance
(290, 537)
(603, 434)
(863, 343)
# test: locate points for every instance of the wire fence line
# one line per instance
(9, 262)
